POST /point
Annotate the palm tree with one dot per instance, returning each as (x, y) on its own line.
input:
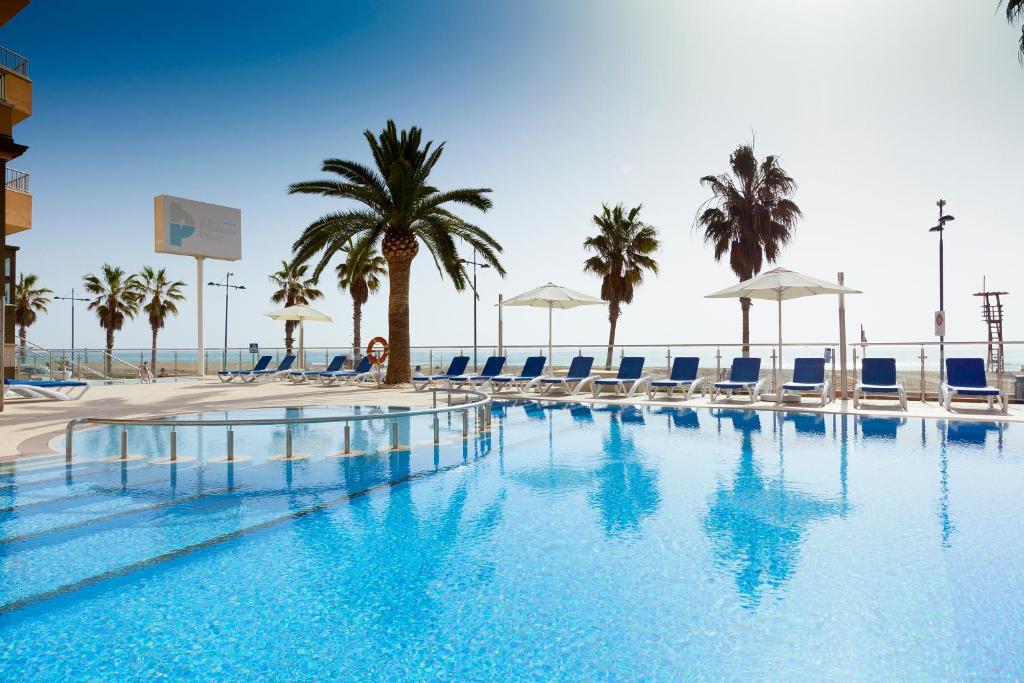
(1015, 13)
(360, 273)
(622, 251)
(116, 297)
(749, 216)
(29, 302)
(294, 288)
(400, 209)
(163, 297)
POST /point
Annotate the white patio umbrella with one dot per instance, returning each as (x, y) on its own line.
(778, 285)
(552, 296)
(301, 313)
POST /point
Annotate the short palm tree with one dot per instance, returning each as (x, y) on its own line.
(399, 210)
(161, 298)
(294, 288)
(360, 274)
(116, 297)
(749, 217)
(1015, 13)
(622, 252)
(29, 301)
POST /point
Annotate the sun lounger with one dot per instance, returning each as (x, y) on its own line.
(743, 376)
(455, 369)
(282, 369)
(492, 368)
(683, 376)
(966, 377)
(229, 375)
(808, 375)
(303, 376)
(878, 376)
(339, 376)
(629, 379)
(52, 390)
(577, 379)
(527, 378)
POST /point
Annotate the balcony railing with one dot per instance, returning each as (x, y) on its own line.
(12, 61)
(17, 180)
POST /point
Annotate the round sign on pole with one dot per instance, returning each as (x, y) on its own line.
(940, 323)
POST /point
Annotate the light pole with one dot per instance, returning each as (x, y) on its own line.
(227, 290)
(72, 299)
(476, 297)
(940, 228)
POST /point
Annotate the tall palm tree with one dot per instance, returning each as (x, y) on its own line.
(29, 302)
(360, 273)
(749, 217)
(162, 297)
(294, 288)
(117, 297)
(622, 251)
(399, 210)
(1015, 13)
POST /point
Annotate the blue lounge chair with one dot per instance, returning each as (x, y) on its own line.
(878, 376)
(629, 379)
(229, 375)
(302, 376)
(808, 375)
(253, 376)
(577, 379)
(527, 378)
(743, 376)
(966, 377)
(363, 370)
(683, 376)
(492, 368)
(53, 390)
(455, 369)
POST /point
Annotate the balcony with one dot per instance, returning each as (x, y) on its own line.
(19, 202)
(15, 85)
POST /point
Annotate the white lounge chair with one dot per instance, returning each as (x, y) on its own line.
(53, 390)
(528, 378)
(743, 376)
(577, 379)
(878, 376)
(627, 381)
(683, 376)
(966, 377)
(808, 375)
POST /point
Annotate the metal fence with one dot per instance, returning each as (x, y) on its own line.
(16, 180)
(11, 60)
(917, 362)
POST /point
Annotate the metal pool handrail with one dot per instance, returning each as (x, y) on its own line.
(482, 400)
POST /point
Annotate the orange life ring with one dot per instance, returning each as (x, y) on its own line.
(378, 356)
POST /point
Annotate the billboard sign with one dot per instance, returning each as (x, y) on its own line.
(192, 228)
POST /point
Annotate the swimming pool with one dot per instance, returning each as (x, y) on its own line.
(570, 542)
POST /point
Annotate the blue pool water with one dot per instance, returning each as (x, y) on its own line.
(568, 543)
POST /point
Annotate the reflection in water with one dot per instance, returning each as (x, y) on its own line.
(807, 423)
(627, 490)
(756, 524)
(973, 433)
(879, 427)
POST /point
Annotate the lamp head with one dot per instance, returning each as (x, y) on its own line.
(462, 260)
(485, 265)
(212, 284)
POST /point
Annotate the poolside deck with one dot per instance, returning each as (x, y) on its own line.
(27, 426)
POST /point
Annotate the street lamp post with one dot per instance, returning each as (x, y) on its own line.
(940, 228)
(476, 297)
(227, 290)
(72, 299)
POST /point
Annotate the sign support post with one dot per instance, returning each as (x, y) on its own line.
(200, 349)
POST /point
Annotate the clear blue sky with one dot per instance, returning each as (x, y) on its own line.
(876, 107)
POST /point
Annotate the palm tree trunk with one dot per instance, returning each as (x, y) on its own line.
(613, 319)
(357, 322)
(152, 355)
(110, 351)
(289, 327)
(745, 306)
(398, 320)
(23, 340)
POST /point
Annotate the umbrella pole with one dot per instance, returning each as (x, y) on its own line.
(302, 344)
(550, 357)
(778, 371)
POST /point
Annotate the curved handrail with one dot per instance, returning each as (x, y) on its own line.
(482, 399)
